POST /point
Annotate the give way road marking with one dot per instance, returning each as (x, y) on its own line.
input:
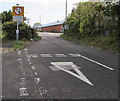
(79, 74)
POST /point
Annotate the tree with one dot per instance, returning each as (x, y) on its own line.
(83, 21)
(26, 32)
(6, 16)
(36, 25)
(112, 11)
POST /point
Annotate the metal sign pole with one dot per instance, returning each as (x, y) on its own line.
(17, 32)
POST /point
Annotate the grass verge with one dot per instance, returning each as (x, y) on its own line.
(104, 42)
(19, 44)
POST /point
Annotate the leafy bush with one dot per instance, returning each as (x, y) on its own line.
(25, 31)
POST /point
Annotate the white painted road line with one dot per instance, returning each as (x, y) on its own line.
(29, 59)
(22, 79)
(46, 55)
(37, 80)
(19, 52)
(78, 55)
(33, 55)
(32, 67)
(36, 74)
(26, 49)
(80, 75)
(19, 59)
(60, 55)
(74, 55)
(96, 62)
(61, 63)
(54, 68)
(23, 91)
(42, 91)
(67, 67)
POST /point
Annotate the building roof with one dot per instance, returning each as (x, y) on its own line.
(53, 24)
(103, 1)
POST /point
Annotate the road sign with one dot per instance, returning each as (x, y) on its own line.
(19, 23)
(18, 18)
(18, 10)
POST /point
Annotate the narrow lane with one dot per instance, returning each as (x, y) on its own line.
(53, 68)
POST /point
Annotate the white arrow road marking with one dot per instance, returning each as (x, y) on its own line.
(68, 67)
(78, 55)
(80, 75)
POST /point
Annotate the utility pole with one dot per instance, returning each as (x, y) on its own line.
(99, 18)
(66, 11)
(40, 19)
(40, 23)
(65, 26)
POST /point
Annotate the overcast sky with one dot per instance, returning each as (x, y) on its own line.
(49, 10)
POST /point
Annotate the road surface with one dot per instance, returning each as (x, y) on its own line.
(53, 68)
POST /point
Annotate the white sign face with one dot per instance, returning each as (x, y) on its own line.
(18, 10)
(64, 66)
(18, 18)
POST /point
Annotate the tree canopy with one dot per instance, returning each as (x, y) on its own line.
(6, 16)
(93, 18)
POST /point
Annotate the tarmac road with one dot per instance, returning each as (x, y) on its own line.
(53, 68)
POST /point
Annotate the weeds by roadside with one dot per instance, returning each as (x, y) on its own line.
(19, 44)
(104, 42)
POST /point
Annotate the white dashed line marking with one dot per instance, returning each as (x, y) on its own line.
(26, 49)
(78, 55)
(32, 67)
(30, 63)
(33, 55)
(19, 59)
(19, 52)
(22, 79)
(74, 55)
(42, 91)
(21, 62)
(23, 91)
(37, 80)
(60, 55)
(35, 73)
(46, 55)
(23, 73)
(21, 67)
(29, 59)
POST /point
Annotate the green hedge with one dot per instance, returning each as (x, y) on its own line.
(25, 31)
